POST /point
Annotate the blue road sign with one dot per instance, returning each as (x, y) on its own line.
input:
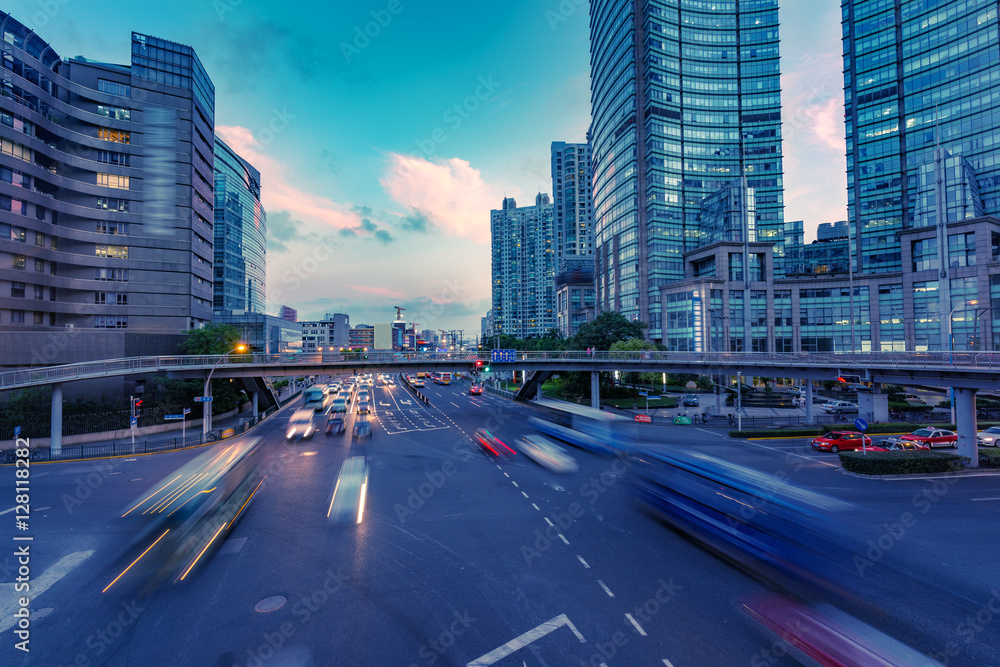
(643, 392)
(187, 411)
(202, 399)
(17, 431)
(173, 416)
(133, 423)
(503, 356)
(861, 424)
(653, 398)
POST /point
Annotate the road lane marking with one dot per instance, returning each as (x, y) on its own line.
(505, 474)
(455, 404)
(549, 521)
(636, 624)
(975, 500)
(8, 511)
(565, 541)
(513, 482)
(608, 591)
(62, 567)
(516, 644)
(711, 433)
(583, 561)
(524, 494)
(535, 506)
(787, 453)
(667, 663)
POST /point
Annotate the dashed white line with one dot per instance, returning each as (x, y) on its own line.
(549, 521)
(975, 500)
(513, 482)
(667, 663)
(636, 624)
(505, 474)
(524, 494)
(565, 541)
(455, 405)
(536, 507)
(608, 591)
(580, 558)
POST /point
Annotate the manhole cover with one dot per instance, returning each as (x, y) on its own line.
(273, 603)
(137, 479)
(39, 614)
(43, 508)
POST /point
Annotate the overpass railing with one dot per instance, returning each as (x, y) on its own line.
(848, 361)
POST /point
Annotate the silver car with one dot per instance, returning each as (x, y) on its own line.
(990, 437)
(840, 408)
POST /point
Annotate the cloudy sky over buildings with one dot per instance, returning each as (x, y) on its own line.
(382, 154)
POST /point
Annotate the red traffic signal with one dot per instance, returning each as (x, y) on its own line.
(479, 364)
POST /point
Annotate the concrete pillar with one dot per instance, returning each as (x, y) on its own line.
(253, 399)
(538, 391)
(965, 413)
(56, 421)
(809, 403)
(595, 390)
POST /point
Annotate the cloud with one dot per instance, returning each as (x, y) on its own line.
(378, 291)
(416, 222)
(281, 229)
(448, 193)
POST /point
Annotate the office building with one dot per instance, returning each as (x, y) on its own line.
(829, 231)
(361, 337)
(288, 313)
(240, 234)
(685, 102)
(106, 200)
(523, 265)
(330, 333)
(264, 333)
(573, 211)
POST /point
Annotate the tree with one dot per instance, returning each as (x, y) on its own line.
(212, 339)
(605, 330)
(632, 345)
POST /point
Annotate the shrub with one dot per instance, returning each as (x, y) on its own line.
(901, 463)
(989, 457)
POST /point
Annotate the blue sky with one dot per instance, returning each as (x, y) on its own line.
(382, 153)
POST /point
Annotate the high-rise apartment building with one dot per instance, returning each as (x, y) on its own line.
(240, 235)
(572, 203)
(523, 268)
(685, 100)
(106, 195)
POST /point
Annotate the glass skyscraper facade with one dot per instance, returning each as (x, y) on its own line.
(686, 100)
(240, 234)
(919, 75)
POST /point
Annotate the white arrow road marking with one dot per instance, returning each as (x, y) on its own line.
(37, 586)
(528, 637)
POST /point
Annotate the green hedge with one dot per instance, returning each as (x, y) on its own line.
(910, 408)
(901, 463)
(989, 457)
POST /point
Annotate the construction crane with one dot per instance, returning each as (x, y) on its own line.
(399, 313)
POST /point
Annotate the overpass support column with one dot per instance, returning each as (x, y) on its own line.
(809, 402)
(253, 399)
(538, 390)
(55, 444)
(965, 413)
(595, 390)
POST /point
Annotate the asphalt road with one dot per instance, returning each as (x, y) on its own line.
(458, 555)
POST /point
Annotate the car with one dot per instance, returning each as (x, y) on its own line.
(389, 382)
(339, 405)
(691, 400)
(335, 426)
(362, 428)
(796, 390)
(491, 444)
(546, 453)
(933, 437)
(418, 383)
(364, 407)
(364, 395)
(990, 437)
(840, 408)
(897, 445)
(475, 390)
(835, 441)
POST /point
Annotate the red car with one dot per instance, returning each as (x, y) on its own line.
(933, 437)
(492, 444)
(895, 444)
(838, 440)
(475, 390)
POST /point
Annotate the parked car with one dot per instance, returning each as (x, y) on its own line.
(933, 437)
(835, 441)
(840, 408)
(897, 445)
(990, 437)
(690, 400)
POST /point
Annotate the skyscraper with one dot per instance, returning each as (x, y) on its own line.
(105, 198)
(523, 268)
(572, 202)
(240, 234)
(686, 99)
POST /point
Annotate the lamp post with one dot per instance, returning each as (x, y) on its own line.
(739, 400)
(951, 349)
(206, 406)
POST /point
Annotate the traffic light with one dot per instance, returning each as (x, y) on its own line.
(487, 369)
(136, 407)
(479, 363)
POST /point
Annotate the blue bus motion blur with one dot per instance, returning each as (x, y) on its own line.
(594, 430)
(316, 398)
(187, 514)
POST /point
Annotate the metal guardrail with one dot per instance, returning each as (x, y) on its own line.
(967, 361)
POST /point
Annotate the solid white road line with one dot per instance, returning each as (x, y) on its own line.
(636, 624)
(580, 558)
(606, 589)
(40, 584)
(516, 644)
(787, 453)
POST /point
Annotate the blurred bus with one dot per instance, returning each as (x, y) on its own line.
(595, 430)
(442, 378)
(316, 399)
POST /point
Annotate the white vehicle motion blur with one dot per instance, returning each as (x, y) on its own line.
(546, 453)
(301, 424)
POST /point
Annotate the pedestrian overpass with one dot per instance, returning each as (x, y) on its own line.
(966, 372)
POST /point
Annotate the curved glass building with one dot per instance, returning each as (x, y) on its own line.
(106, 194)
(240, 234)
(686, 100)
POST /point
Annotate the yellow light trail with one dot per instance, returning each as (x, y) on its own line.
(202, 552)
(135, 561)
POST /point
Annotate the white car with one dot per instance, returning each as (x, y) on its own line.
(546, 453)
(990, 437)
(840, 408)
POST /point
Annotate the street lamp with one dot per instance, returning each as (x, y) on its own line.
(206, 406)
(739, 400)
(951, 349)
